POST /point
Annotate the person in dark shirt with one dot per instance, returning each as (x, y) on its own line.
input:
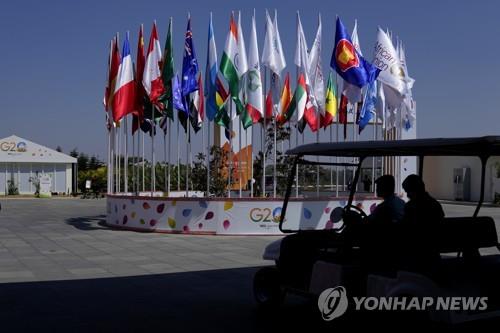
(391, 209)
(421, 209)
(422, 216)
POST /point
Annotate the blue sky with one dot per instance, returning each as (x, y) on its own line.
(54, 53)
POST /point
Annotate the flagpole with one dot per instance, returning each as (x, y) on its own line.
(153, 171)
(296, 139)
(119, 146)
(317, 157)
(208, 157)
(169, 154)
(230, 146)
(178, 160)
(125, 129)
(239, 158)
(133, 163)
(373, 158)
(251, 166)
(337, 137)
(275, 159)
(264, 139)
(143, 164)
(188, 152)
(165, 179)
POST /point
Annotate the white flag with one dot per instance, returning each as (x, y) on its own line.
(317, 95)
(272, 54)
(391, 72)
(254, 84)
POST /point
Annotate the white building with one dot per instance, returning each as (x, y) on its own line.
(20, 160)
(440, 176)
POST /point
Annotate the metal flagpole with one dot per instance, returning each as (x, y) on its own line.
(119, 146)
(133, 162)
(169, 154)
(239, 159)
(275, 153)
(108, 165)
(208, 157)
(264, 139)
(317, 158)
(153, 173)
(251, 166)
(373, 158)
(165, 178)
(188, 152)
(331, 159)
(125, 162)
(296, 140)
(143, 164)
(178, 160)
(230, 146)
(337, 137)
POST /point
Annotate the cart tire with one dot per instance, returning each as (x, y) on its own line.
(267, 288)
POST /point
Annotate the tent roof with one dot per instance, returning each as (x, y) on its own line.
(486, 145)
(14, 149)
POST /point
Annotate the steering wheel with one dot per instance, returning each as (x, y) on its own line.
(358, 210)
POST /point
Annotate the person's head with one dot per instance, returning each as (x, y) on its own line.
(385, 186)
(413, 185)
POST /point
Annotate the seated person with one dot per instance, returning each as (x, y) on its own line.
(420, 251)
(391, 209)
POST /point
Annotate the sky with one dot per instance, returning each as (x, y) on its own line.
(54, 58)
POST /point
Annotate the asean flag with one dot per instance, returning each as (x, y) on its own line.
(348, 63)
(124, 97)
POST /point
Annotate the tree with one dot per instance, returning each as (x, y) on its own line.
(59, 149)
(83, 162)
(73, 153)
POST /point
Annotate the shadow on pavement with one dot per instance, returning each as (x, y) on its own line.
(200, 301)
(88, 223)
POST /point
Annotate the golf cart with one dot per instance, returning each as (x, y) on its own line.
(373, 261)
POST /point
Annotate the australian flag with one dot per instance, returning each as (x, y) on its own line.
(348, 63)
(189, 81)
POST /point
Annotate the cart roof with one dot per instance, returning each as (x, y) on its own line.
(475, 146)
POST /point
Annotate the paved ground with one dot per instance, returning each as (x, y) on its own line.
(62, 269)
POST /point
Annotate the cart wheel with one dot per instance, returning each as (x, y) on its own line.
(267, 289)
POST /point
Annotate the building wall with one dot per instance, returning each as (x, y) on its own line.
(22, 172)
(438, 176)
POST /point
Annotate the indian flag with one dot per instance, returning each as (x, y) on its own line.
(231, 62)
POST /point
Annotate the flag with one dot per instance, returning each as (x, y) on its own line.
(408, 107)
(114, 65)
(351, 91)
(189, 75)
(301, 58)
(197, 107)
(310, 116)
(284, 103)
(380, 104)
(140, 95)
(231, 64)
(343, 113)
(391, 71)
(246, 119)
(211, 74)
(272, 53)
(317, 92)
(369, 105)
(167, 75)
(254, 104)
(124, 98)
(299, 101)
(348, 63)
(222, 95)
(152, 79)
(330, 103)
(269, 105)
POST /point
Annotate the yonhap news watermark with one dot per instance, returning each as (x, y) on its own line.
(333, 303)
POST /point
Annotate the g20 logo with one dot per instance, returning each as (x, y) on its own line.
(265, 215)
(12, 146)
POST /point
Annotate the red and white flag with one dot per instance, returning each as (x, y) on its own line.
(152, 80)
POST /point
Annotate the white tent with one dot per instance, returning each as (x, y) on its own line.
(21, 160)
